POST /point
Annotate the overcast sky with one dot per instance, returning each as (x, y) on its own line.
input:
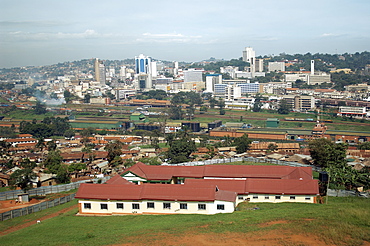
(43, 32)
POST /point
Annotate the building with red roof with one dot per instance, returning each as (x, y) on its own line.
(208, 189)
(119, 197)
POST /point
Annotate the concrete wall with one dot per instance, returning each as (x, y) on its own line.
(192, 207)
(272, 198)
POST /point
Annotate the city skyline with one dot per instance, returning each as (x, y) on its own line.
(34, 33)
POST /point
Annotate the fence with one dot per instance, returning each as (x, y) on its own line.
(347, 193)
(35, 208)
(44, 190)
(248, 159)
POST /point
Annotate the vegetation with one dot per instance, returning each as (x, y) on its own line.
(332, 157)
(49, 126)
(343, 221)
(181, 147)
(22, 178)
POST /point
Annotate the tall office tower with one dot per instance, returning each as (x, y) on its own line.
(249, 55)
(259, 65)
(153, 69)
(122, 72)
(99, 68)
(176, 68)
(312, 67)
(211, 80)
(142, 64)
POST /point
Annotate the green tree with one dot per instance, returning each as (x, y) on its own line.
(22, 178)
(114, 150)
(176, 113)
(53, 161)
(68, 96)
(27, 164)
(332, 158)
(221, 106)
(242, 144)
(272, 147)
(151, 160)
(63, 174)
(257, 106)
(87, 98)
(364, 146)
(40, 108)
(181, 147)
(284, 107)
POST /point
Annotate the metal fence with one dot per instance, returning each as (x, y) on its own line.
(347, 193)
(247, 159)
(44, 190)
(35, 208)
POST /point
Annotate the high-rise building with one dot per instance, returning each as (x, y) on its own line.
(259, 65)
(249, 55)
(142, 64)
(99, 68)
(211, 80)
(312, 67)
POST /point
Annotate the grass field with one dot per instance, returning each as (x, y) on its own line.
(344, 221)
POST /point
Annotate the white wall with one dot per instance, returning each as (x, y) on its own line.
(192, 207)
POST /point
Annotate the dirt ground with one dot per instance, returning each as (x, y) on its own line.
(10, 204)
(268, 238)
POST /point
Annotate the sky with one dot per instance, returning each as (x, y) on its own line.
(45, 32)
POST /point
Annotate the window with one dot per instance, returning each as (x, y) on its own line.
(150, 205)
(277, 197)
(87, 205)
(135, 206)
(240, 198)
(183, 206)
(119, 205)
(308, 198)
(220, 207)
(292, 197)
(103, 206)
(267, 197)
(201, 206)
(255, 197)
(166, 205)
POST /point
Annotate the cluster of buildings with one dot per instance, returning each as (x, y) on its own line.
(99, 82)
(143, 189)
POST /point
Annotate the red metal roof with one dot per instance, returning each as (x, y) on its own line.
(118, 180)
(166, 192)
(283, 186)
(261, 186)
(220, 171)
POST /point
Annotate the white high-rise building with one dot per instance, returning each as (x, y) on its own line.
(122, 72)
(211, 81)
(312, 67)
(249, 55)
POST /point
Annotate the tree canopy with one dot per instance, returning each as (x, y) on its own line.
(332, 158)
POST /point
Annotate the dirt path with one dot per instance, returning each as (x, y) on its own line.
(27, 224)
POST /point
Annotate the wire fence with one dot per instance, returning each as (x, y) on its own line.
(347, 193)
(44, 190)
(35, 208)
(246, 159)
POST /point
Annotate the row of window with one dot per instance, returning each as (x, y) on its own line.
(166, 205)
(276, 197)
